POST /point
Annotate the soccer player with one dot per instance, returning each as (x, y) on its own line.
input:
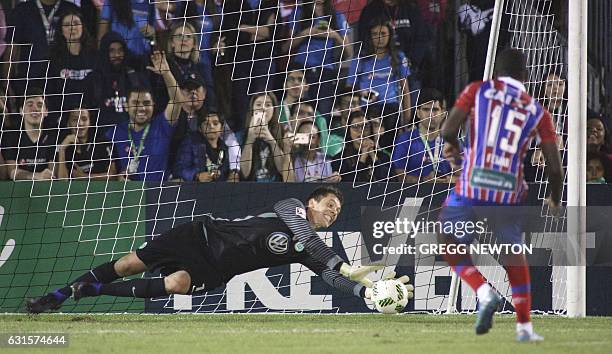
(501, 119)
(205, 254)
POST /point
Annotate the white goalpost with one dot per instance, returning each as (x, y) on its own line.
(569, 282)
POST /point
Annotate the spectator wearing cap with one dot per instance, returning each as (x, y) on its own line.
(203, 155)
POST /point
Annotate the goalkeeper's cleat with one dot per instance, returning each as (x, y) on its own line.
(486, 310)
(525, 336)
(42, 304)
(83, 289)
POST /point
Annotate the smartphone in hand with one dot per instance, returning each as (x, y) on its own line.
(258, 118)
(301, 139)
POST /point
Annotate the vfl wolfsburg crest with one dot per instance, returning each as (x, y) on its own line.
(278, 242)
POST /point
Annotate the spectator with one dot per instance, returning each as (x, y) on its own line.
(362, 160)
(35, 23)
(203, 156)
(351, 9)
(134, 20)
(417, 156)
(309, 163)
(143, 143)
(294, 103)
(244, 56)
(411, 33)
(598, 168)
(598, 137)
(552, 97)
(72, 60)
(192, 106)
(380, 74)
(319, 38)
(263, 158)
(203, 17)
(184, 59)
(30, 151)
(347, 101)
(295, 90)
(115, 74)
(84, 153)
(475, 18)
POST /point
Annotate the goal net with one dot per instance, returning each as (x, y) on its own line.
(314, 71)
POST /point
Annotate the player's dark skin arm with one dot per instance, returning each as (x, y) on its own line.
(451, 126)
(450, 130)
(554, 170)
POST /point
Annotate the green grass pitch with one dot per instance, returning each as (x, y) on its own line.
(375, 333)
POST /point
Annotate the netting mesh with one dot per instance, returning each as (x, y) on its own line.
(88, 221)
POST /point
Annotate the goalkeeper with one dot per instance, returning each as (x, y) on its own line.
(206, 254)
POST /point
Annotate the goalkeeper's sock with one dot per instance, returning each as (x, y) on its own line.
(463, 266)
(142, 288)
(521, 291)
(104, 273)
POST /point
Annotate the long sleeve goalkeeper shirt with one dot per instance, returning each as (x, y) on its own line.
(270, 238)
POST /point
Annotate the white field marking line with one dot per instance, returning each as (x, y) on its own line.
(214, 331)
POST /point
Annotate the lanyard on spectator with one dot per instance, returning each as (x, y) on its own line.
(46, 20)
(432, 156)
(210, 165)
(136, 153)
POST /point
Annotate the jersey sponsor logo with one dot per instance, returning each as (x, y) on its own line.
(278, 243)
(298, 246)
(301, 212)
(491, 179)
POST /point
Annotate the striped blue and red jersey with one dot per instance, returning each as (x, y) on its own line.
(503, 119)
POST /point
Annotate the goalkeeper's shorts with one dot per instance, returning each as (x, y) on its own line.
(181, 248)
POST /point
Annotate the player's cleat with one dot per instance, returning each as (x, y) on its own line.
(83, 289)
(525, 336)
(42, 304)
(486, 310)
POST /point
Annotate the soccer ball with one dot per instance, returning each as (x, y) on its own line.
(389, 296)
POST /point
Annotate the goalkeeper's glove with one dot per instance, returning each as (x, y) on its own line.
(404, 279)
(360, 273)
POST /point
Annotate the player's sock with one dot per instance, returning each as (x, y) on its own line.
(142, 288)
(527, 327)
(104, 273)
(483, 292)
(463, 266)
(521, 289)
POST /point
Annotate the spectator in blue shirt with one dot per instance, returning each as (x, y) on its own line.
(417, 155)
(142, 144)
(134, 20)
(380, 74)
(319, 37)
(204, 156)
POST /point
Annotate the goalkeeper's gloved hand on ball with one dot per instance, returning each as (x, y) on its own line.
(404, 279)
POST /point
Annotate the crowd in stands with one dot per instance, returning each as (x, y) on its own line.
(248, 90)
